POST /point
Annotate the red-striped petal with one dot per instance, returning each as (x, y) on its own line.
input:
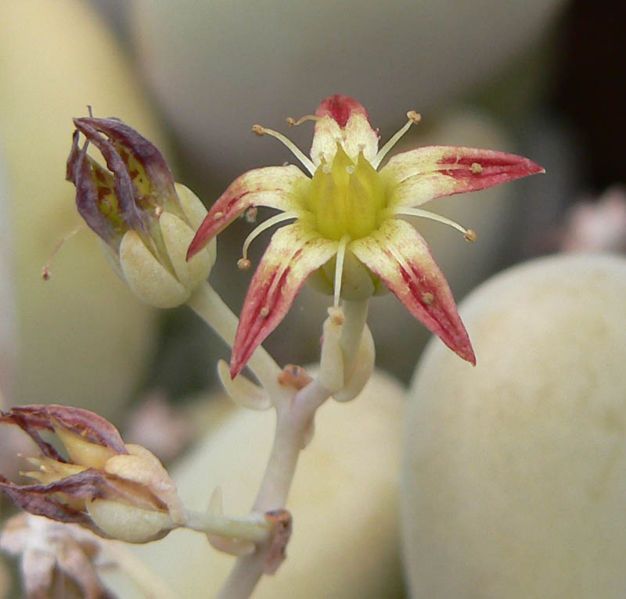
(421, 175)
(400, 257)
(293, 254)
(271, 187)
(344, 120)
(340, 108)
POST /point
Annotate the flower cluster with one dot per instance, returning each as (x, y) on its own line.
(347, 230)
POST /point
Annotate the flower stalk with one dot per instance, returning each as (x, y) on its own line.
(293, 422)
(254, 527)
(211, 308)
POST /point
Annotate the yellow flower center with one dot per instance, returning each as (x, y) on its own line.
(345, 198)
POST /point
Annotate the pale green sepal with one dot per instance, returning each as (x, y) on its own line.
(147, 277)
(177, 236)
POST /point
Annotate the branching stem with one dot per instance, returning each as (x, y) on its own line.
(294, 417)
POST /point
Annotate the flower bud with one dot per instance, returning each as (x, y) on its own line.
(145, 219)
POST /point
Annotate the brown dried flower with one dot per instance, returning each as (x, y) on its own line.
(115, 489)
(54, 557)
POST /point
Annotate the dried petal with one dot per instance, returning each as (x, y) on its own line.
(49, 550)
(47, 500)
(128, 209)
(83, 423)
(96, 198)
(147, 168)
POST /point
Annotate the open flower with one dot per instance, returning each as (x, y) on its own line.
(115, 489)
(347, 227)
(145, 219)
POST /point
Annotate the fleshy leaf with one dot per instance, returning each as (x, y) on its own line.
(294, 252)
(400, 257)
(342, 119)
(272, 187)
(421, 175)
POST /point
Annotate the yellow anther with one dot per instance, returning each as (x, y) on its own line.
(470, 235)
(414, 117)
(45, 270)
(336, 315)
(428, 298)
(264, 312)
(243, 264)
(219, 214)
(476, 168)
(250, 214)
(306, 162)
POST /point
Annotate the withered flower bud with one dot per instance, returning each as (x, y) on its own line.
(117, 490)
(55, 558)
(145, 219)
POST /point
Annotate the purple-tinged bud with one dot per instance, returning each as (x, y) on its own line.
(144, 217)
(116, 490)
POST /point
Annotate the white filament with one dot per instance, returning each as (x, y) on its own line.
(270, 222)
(297, 152)
(341, 254)
(413, 119)
(432, 216)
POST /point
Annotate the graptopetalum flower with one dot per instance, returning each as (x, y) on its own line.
(145, 219)
(116, 490)
(347, 220)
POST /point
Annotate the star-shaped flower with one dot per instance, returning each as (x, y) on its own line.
(347, 225)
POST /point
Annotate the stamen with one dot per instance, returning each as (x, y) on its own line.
(45, 271)
(414, 118)
(303, 119)
(469, 234)
(250, 214)
(341, 254)
(278, 218)
(243, 264)
(306, 162)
